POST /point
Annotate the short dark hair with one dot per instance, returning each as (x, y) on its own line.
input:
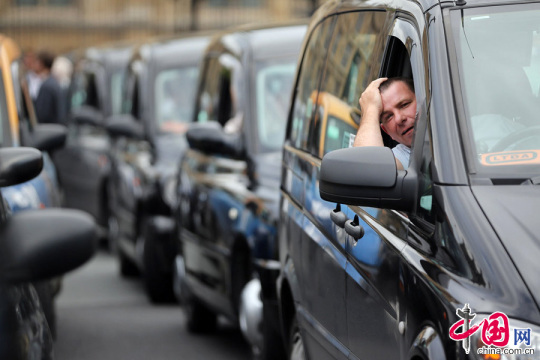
(407, 81)
(46, 58)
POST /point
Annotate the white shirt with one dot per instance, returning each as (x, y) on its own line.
(403, 154)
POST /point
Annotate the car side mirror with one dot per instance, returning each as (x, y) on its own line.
(210, 138)
(367, 176)
(19, 164)
(45, 137)
(87, 115)
(124, 125)
(41, 244)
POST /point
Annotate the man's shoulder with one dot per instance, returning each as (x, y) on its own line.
(51, 83)
(49, 87)
(402, 148)
(402, 153)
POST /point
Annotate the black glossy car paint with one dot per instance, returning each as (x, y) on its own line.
(145, 160)
(393, 293)
(84, 164)
(228, 198)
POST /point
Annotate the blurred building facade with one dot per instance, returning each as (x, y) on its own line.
(63, 25)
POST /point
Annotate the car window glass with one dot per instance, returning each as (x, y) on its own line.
(425, 192)
(351, 61)
(403, 59)
(77, 93)
(208, 94)
(313, 63)
(135, 99)
(130, 98)
(173, 97)
(273, 84)
(429, 230)
(497, 57)
(117, 79)
(533, 68)
(16, 83)
(230, 94)
(22, 97)
(87, 94)
(220, 95)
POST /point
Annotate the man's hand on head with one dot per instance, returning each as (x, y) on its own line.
(369, 131)
(370, 101)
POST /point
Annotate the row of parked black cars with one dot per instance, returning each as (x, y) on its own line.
(39, 242)
(221, 168)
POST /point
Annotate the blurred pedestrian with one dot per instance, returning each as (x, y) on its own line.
(32, 78)
(62, 69)
(48, 103)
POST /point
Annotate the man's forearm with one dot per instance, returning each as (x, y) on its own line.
(369, 131)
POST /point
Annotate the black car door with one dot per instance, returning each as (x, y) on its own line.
(315, 245)
(376, 320)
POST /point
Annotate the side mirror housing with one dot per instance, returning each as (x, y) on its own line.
(87, 115)
(19, 164)
(210, 138)
(124, 125)
(46, 137)
(41, 244)
(367, 176)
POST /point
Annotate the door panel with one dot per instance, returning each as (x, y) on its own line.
(373, 284)
(323, 269)
(212, 186)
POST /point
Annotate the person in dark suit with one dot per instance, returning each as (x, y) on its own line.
(48, 103)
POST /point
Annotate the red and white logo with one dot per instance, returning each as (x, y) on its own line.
(497, 337)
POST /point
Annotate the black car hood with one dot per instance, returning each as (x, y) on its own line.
(513, 211)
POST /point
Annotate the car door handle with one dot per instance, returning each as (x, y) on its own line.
(353, 228)
(338, 217)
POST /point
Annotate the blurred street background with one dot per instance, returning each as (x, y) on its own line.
(62, 26)
(106, 317)
(100, 314)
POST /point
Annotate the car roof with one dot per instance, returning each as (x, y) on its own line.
(111, 54)
(174, 49)
(261, 40)
(333, 6)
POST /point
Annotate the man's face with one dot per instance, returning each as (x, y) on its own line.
(399, 112)
(38, 66)
(30, 61)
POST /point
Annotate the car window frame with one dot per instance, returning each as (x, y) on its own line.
(302, 139)
(405, 30)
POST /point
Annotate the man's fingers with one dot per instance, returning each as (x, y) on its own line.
(379, 81)
(370, 92)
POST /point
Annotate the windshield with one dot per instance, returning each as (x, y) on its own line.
(498, 53)
(273, 92)
(175, 98)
